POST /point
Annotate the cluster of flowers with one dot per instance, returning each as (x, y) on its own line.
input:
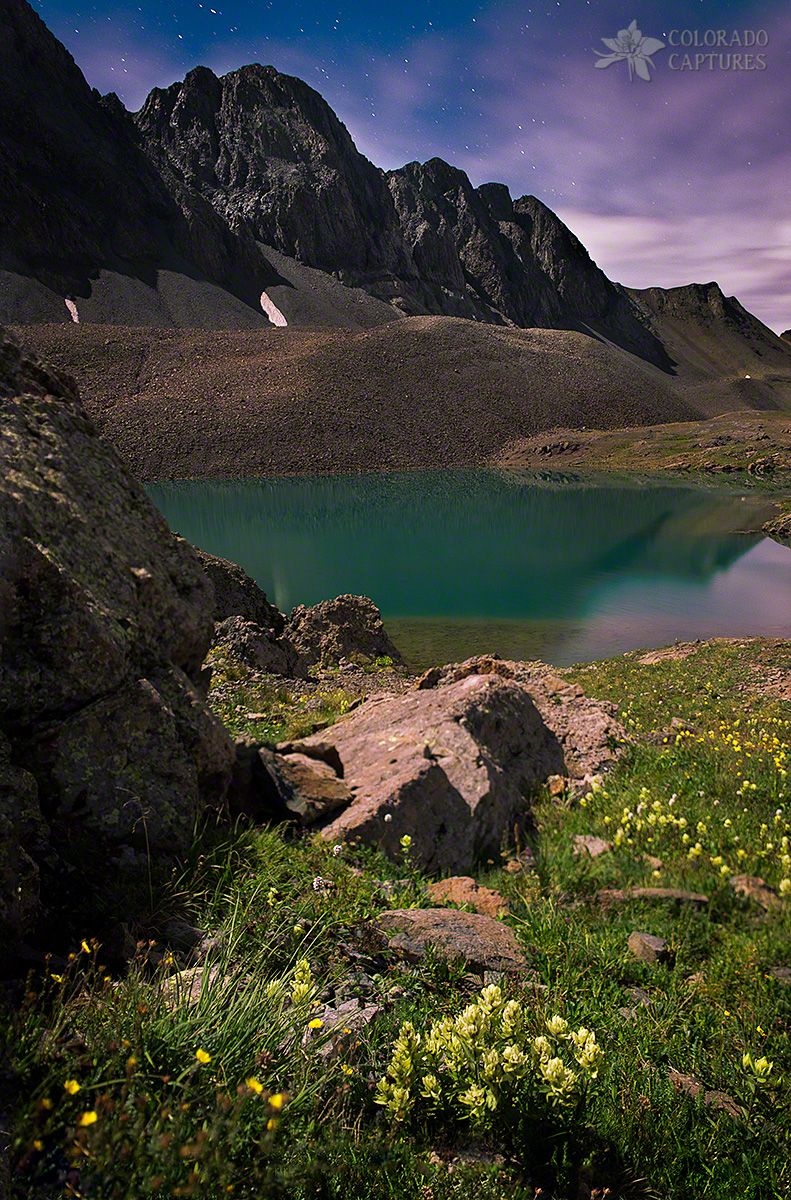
(484, 1057)
(657, 826)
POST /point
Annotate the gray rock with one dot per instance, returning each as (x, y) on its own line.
(757, 889)
(335, 629)
(712, 1099)
(451, 767)
(237, 595)
(587, 843)
(342, 1025)
(309, 788)
(259, 647)
(104, 618)
(624, 895)
(484, 943)
(186, 987)
(648, 948)
(20, 825)
(137, 766)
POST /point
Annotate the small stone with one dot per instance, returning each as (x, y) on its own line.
(557, 785)
(713, 1099)
(186, 987)
(648, 948)
(757, 889)
(623, 895)
(654, 863)
(462, 889)
(589, 844)
(342, 1026)
(782, 974)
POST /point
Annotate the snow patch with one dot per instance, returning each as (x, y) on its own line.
(274, 313)
(72, 307)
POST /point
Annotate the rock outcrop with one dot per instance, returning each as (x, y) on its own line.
(108, 754)
(346, 627)
(237, 595)
(259, 648)
(451, 763)
(586, 729)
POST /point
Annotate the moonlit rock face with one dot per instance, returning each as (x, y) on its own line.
(272, 311)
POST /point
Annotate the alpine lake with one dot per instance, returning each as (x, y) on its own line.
(563, 568)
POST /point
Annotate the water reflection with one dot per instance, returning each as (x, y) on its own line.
(562, 568)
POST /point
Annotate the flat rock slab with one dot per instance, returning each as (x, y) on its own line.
(462, 889)
(186, 987)
(712, 1099)
(342, 1026)
(623, 895)
(452, 767)
(485, 944)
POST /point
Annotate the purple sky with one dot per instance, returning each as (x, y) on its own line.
(683, 178)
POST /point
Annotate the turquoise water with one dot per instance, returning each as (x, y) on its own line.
(566, 569)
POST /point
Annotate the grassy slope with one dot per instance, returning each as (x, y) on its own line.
(173, 1125)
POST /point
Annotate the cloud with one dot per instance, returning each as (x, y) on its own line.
(751, 261)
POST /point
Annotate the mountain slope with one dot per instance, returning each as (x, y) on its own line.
(511, 262)
(721, 353)
(421, 392)
(225, 195)
(82, 203)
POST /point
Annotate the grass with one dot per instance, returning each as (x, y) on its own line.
(264, 708)
(271, 1113)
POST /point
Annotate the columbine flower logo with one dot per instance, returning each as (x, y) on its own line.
(631, 47)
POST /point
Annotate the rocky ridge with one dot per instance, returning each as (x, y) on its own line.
(82, 201)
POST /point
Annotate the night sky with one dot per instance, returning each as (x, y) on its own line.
(683, 178)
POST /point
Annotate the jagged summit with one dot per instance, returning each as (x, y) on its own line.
(266, 150)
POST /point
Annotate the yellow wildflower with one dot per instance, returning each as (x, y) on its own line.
(88, 1118)
(202, 1056)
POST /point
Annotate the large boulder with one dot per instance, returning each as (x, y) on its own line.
(105, 620)
(453, 767)
(346, 627)
(588, 730)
